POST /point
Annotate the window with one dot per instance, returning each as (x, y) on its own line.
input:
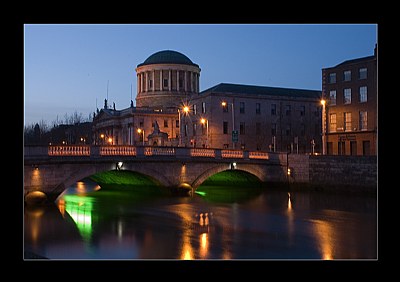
(362, 73)
(347, 95)
(273, 129)
(302, 129)
(165, 82)
(203, 107)
(180, 83)
(194, 129)
(332, 123)
(363, 94)
(353, 148)
(225, 127)
(347, 121)
(194, 109)
(258, 108)
(288, 130)
(273, 109)
(302, 110)
(177, 123)
(347, 75)
(165, 123)
(242, 128)
(363, 120)
(332, 77)
(287, 110)
(241, 107)
(341, 148)
(258, 128)
(366, 147)
(150, 83)
(332, 97)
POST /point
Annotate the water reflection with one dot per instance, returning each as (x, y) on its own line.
(88, 223)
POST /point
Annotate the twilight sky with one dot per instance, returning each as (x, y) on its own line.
(67, 67)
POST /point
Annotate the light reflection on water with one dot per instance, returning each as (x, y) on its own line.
(88, 223)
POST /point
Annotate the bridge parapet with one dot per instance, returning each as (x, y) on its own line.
(83, 151)
(69, 150)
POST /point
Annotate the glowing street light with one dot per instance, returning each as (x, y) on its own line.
(224, 104)
(205, 122)
(141, 131)
(323, 103)
(186, 111)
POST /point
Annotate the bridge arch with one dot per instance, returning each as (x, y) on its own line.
(82, 171)
(254, 170)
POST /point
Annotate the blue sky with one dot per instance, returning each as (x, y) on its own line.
(67, 66)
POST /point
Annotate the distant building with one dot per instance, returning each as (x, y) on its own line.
(171, 111)
(350, 92)
(264, 118)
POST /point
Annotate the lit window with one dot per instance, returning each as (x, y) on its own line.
(332, 123)
(347, 121)
(363, 120)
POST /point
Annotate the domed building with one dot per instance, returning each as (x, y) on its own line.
(165, 80)
(171, 111)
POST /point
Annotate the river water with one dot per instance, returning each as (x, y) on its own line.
(88, 223)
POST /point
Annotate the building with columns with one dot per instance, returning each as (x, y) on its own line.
(231, 116)
(165, 80)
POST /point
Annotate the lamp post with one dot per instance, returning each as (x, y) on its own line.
(323, 102)
(205, 121)
(225, 104)
(185, 110)
(106, 138)
(141, 131)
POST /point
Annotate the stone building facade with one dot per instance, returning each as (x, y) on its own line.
(350, 92)
(251, 118)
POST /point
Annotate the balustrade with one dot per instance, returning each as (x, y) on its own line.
(127, 150)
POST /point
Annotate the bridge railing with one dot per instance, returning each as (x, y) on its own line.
(69, 150)
(147, 151)
(116, 150)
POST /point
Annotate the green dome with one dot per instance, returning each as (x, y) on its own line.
(167, 57)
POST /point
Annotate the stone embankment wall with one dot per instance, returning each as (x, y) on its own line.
(333, 173)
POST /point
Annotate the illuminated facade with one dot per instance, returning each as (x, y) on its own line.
(229, 116)
(350, 92)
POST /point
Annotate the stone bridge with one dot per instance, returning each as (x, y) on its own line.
(51, 169)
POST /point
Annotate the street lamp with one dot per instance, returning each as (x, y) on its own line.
(205, 122)
(141, 131)
(323, 103)
(225, 104)
(186, 111)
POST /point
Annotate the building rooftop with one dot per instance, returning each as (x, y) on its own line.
(229, 88)
(167, 57)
